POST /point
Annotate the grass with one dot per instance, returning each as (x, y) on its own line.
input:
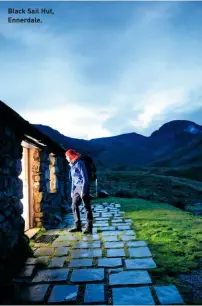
(173, 236)
(150, 186)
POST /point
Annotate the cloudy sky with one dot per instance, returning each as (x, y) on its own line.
(97, 69)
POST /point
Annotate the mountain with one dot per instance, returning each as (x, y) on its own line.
(176, 143)
(81, 145)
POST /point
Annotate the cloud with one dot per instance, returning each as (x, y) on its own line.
(104, 68)
(76, 121)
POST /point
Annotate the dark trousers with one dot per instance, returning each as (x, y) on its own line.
(76, 201)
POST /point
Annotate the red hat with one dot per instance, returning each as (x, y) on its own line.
(72, 154)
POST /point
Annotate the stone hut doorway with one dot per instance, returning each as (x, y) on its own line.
(27, 184)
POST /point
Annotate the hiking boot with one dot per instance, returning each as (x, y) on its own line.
(76, 228)
(88, 230)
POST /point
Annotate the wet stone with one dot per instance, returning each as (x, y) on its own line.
(27, 271)
(87, 275)
(114, 245)
(136, 244)
(44, 251)
(101, 225)
(109, 228)
(86, 253)
(128, 220)
(110, 238)
(132, 296)
(128, 233)
(91, 237)
(140, 263)
(43, 259)
(31, 261)
(79, 263)
(94, 293)
(57, 262)
(50, 275)
(117, 270)
(124, 227)
(61, 251)
(110, 262)
(140, 252)
(117, 220)
(130, 278)
(87, 245)
(33, 293)
(67, 238)
(116, 253)
(168, 295)
(127, 238)
(61, 243)
(63, 293)
(110, 233)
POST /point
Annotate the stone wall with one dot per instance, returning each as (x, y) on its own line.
(11, 221)
(50, 187)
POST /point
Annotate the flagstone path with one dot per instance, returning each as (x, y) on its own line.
(110, 267)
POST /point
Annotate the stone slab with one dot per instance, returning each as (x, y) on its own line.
(27, 271)
(117, 220)
(130, 278)
(116, 253)
(140, 263)
(111, 233)
(51, 275)
(31, 261)
(61, 243)
(139, 252)
(124, 227)
(129, 233)
(57, 262)
(101, 225)
(110, 238)
(80, 253)
(91, 237)
(109, 228)
(87, 275)
(136, 244)
(44, 251)
(168, 295)
(43, 259)
(63, 293)
(33, 294)
(67, 237)
(87, 245)
(114, 245)
(110, 262)
(132, 296)
(128, 238)
(61, 251)
(94, 293)
(79, 263)
(115, 270)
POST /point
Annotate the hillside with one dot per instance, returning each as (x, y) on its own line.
(176, 143)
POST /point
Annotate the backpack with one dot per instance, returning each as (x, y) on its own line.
(90, 167)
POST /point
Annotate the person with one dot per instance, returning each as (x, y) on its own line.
(79, 191)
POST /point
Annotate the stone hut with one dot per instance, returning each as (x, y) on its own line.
(33, 179)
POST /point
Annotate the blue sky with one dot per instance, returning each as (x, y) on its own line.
(95, 69)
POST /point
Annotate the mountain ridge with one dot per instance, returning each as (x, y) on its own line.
(133, 149)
